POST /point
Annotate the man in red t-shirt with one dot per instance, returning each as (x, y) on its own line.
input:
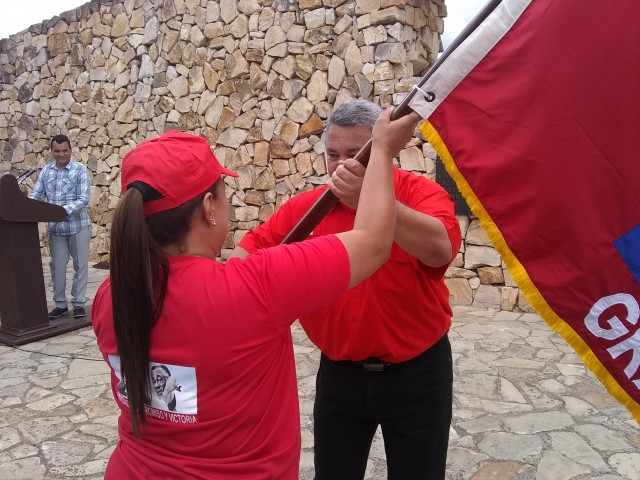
(386, 358)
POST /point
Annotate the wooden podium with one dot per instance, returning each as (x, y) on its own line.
(23, 303)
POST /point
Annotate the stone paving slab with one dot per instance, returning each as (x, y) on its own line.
(525, 407)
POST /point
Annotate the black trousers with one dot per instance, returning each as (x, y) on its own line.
(411, 401)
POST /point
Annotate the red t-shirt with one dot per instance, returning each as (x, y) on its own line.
(224, 395)
(398, 312)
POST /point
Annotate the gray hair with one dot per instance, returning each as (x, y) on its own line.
(354, 113)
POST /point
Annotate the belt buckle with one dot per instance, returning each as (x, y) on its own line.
(373, 365)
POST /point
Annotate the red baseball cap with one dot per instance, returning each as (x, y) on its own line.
(180, 166)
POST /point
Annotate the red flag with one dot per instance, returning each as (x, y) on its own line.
(537, 118)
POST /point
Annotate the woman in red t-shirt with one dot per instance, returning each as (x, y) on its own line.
(200, 352)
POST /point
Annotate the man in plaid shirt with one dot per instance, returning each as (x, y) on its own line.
(65, 182)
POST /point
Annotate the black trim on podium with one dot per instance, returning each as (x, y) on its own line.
(23, 302)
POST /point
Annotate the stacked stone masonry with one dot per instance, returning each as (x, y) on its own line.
(256, 78)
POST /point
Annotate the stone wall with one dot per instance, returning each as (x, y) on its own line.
(257, 78)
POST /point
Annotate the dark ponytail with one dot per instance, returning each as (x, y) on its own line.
(139, 271)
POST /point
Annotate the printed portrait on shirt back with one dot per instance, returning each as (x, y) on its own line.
(173, 388)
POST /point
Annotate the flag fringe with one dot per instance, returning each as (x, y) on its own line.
(521, 278)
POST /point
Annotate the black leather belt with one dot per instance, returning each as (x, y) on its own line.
(374, 364)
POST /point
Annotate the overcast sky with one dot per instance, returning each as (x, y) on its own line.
(16, 15)
(459, 14)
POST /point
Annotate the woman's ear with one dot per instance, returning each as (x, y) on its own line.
(208, 207)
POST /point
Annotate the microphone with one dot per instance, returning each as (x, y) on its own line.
(26, 174)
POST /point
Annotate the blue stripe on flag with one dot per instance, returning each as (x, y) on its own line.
(628, 246)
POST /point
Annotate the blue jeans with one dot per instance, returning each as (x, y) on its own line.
(411, 401)
(61, 248)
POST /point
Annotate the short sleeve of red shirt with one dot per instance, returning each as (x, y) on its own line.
(297, 278)
(426, 196)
